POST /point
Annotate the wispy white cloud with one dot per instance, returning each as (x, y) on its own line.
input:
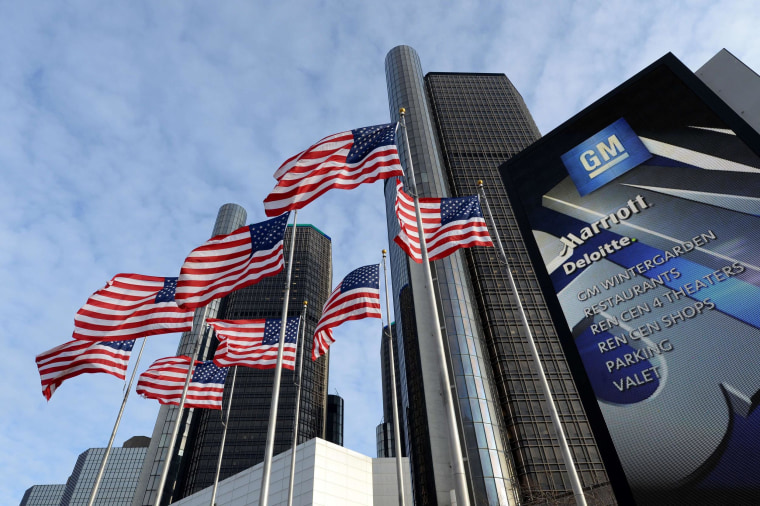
(125, 127)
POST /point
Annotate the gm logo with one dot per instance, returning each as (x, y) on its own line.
(605, 156)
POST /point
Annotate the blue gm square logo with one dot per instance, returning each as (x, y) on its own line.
(605, 156)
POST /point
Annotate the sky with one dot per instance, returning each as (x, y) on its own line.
(124, 126)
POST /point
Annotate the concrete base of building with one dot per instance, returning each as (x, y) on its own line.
(325, 474)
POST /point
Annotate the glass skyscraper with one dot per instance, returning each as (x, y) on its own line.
(461, 127)
(229, 218)
(197, 449)
(335, 419)
(488, 463)
(116, 487)
(249, 418)
(384, 433)
(43, 495)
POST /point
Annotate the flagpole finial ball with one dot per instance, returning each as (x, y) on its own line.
(306, 303)
(402, 111)
(480, 182)
(384, 252)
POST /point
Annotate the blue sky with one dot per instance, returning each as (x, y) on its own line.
(125, 126)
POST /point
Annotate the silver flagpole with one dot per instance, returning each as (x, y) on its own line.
(170, 448)
(115, 428)
(394, 400)
(224, 437)
(568, 456)
(457, 464)
(269, 450)
(301, 338)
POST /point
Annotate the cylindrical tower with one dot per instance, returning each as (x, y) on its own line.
(245, 441)
(334, 426)
(488, 465)
(229, 218)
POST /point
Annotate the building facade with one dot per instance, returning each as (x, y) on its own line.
(384, 440)
(117, 487)
(334, 425)
(325, 474)
(249, 416)
(384, 433)
(43, 495)
(229, 218)
(461, 127)
(489, 468)
(194, 460)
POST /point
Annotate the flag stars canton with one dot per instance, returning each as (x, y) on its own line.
(267, 234)
(370, 138)
(207, 372)
(120, 345)
(363, 277)
(272, 331)
(166, 294)
(460, 208)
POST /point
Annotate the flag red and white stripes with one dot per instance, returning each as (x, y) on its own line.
(343, 160)
(449, 224)
(356, 297)
(164, 381)
(255, 343)
(80, 357)
(132, 306)
(229, 262)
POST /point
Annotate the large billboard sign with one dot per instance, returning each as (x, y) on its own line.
(642, 216)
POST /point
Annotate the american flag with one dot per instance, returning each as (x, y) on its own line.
(164, 381)
(80, 357)
(356, 297)
(255, 343)
(344, 160)
(132, 306)
(226, 263)
(449, 224)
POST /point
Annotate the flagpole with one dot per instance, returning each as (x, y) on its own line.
(115, 429)
(568, 456)
(457, 464)
(175, 431)
(269, 450)
(224, 437)
(394, 400)
(298, 405)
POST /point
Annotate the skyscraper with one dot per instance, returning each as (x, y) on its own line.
(249, 416)
(43, 495)
(116, 487)
(229, 218)
(334, 425)
(384, 433)
(461, 127)
(197, 450)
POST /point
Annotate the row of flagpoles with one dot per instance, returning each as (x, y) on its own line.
(132, 306)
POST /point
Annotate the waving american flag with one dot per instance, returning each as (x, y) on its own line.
(448, 223)
(132, 306)
(228, 262)
(344, 160)
(356, 297)
(80, 357)
(164, 381)
(255, 343)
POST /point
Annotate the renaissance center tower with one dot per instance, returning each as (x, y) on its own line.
(195, 456)
(461, 128)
